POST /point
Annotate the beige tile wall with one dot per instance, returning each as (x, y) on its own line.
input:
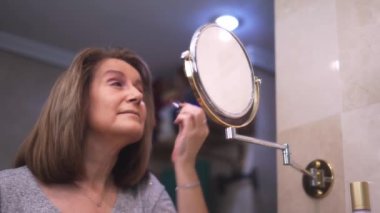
(361, 151)
(359, 42)
(312, 88)
(315, 140)
(328, 97)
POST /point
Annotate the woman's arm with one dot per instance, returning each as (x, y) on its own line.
(193, 131)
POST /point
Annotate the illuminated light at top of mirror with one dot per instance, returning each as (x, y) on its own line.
(227, 22)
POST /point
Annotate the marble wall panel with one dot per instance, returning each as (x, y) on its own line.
(307, 64)
(361, 150)
(317, 140)
(359, 51)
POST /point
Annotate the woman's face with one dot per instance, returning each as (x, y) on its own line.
(116, 106)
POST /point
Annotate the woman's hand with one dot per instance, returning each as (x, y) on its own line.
(193, 130)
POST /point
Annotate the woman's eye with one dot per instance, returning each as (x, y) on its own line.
(140, 90)
(116, 83)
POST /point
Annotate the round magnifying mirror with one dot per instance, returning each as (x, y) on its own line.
(221, 76)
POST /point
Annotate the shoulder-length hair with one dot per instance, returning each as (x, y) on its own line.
(54, 149)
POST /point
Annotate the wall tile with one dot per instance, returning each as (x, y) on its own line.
(359, 42)
(344, 109)
(318, 140)
(309, 84)
(361, 149)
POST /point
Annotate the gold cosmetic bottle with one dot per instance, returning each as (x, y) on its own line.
(360, 200)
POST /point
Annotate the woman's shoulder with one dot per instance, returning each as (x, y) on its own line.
(153, 184)
(149, 186)
(15, 180)
(19, 192)
(15, 177)
(149, 195)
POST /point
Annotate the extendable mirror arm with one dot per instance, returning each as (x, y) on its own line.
(317, 177)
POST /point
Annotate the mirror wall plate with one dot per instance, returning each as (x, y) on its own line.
(321, 180)
(221, 76)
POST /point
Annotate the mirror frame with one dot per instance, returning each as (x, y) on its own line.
(192, 74)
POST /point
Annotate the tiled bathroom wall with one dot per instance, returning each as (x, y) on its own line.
(328, 97)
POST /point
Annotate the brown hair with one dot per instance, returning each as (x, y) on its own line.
(54, 149)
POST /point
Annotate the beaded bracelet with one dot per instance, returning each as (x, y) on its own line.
(188, 186)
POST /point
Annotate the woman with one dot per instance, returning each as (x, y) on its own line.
(89, 150)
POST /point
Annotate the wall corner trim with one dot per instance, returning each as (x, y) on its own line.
(35, 50)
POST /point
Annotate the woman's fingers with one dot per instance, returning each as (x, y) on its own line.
(195, 113)
(193, 131)
(185, 119)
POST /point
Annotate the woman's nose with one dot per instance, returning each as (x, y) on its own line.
(134, 95)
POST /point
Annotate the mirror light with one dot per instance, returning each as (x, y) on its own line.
(227, 22)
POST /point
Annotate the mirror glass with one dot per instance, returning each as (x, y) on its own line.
(221, 75)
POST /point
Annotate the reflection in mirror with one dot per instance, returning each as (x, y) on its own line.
(224, 71)
(222, 76)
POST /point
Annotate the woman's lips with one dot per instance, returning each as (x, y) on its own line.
(129, 112)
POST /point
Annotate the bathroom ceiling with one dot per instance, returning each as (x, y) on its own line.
(159, 30)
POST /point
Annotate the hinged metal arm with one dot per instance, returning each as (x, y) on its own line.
(231, 134)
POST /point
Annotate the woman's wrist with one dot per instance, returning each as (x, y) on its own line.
(184, 162)
(186, 186)
(184, 167)
(185, 174)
